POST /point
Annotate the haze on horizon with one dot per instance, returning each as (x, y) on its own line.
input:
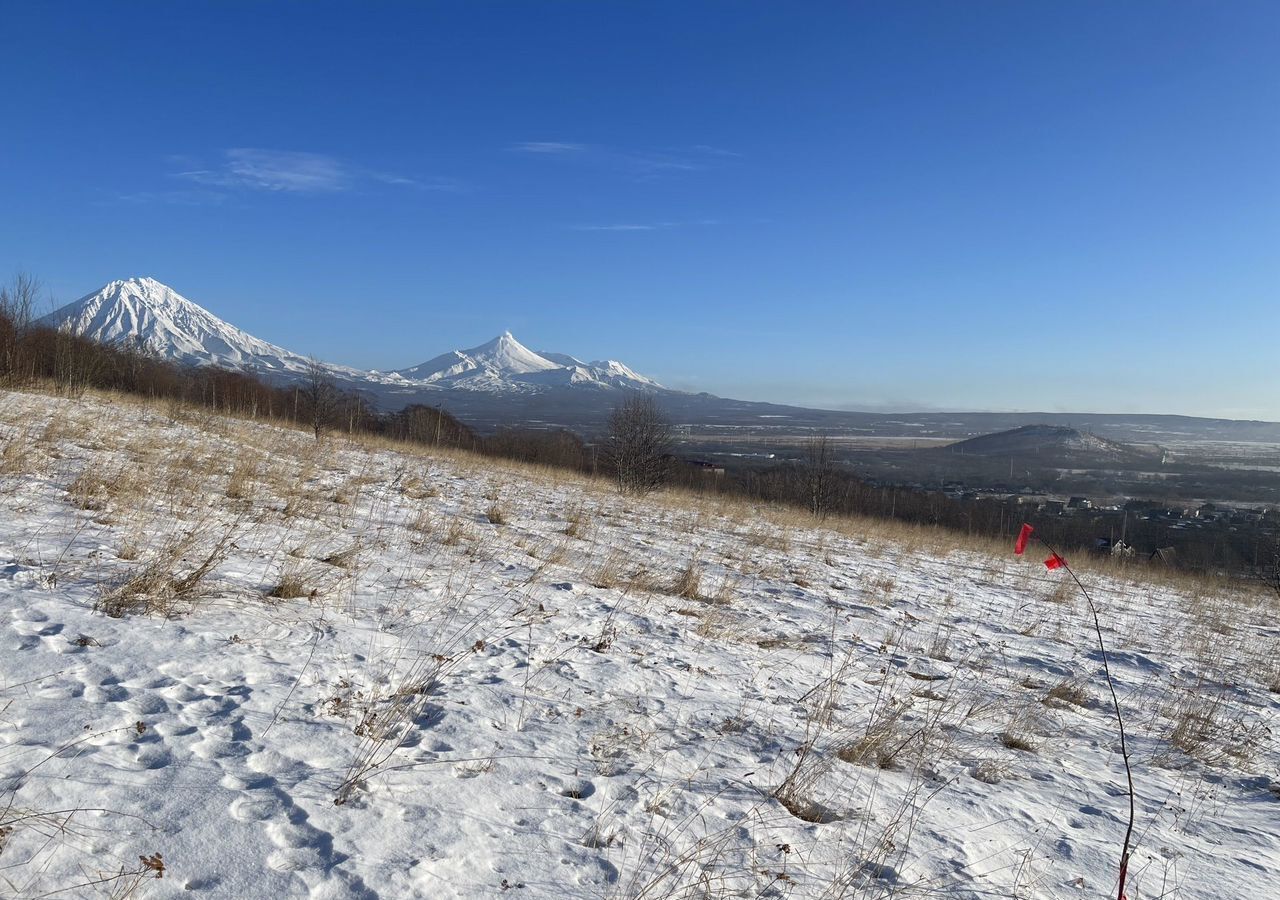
(1005, 206)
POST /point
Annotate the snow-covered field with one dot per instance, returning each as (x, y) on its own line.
(482, 680)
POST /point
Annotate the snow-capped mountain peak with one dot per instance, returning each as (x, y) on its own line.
(161, 321)
(158, 320)
(505, 364)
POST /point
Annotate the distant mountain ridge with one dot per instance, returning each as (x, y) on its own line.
(502, 382)
(157, 319)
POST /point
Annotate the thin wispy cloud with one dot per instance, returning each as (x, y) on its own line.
(621, 227)
(172, 198)
(297, 172)
(548, 147)
(639, 164)
(715, 151)
(646, 226)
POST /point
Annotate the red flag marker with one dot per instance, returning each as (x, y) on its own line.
(1023, 536)
(1054, 562)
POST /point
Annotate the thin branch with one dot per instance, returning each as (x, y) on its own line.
(1115, 702)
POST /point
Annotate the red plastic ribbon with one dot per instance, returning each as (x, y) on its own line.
(1023, 536)
(1054, 562)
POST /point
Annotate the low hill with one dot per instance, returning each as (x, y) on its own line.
(1049, 441)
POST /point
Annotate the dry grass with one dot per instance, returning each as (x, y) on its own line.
(240, 483)
(174, 575)
(456, 533)
(18, 456)
(293, 584)
(345, 558)
(1068, 692)
(688, 584)
(611, 571)
(884, 739)
(95, 490)
(496, 513)
(1201, 726)
(577, 521)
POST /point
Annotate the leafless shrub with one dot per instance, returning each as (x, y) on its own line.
(638, 444)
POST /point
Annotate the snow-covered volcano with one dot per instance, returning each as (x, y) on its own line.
(159, 320)
(501, 358)
(505, 364)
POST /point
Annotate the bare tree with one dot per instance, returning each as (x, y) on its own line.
(819, 476)
(320, 395)
(638, 444)
(17, 311)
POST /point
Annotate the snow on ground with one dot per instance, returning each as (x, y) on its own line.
(597, 697)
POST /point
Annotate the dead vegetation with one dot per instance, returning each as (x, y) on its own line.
(170, 580)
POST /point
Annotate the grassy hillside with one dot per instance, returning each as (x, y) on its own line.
(265, 666)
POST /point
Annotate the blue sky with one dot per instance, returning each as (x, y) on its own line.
(980, 205)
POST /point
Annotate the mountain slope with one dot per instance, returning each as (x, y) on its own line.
(161, 321)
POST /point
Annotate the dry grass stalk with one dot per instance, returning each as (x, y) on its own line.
(577, 521)
(1068, 692)
(344, 559)
(688, 583)
(495, 513)
(293, 584)
(609, 573)
(240, 483)
(157, 587)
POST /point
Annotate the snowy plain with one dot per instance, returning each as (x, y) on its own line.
(476, 679)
